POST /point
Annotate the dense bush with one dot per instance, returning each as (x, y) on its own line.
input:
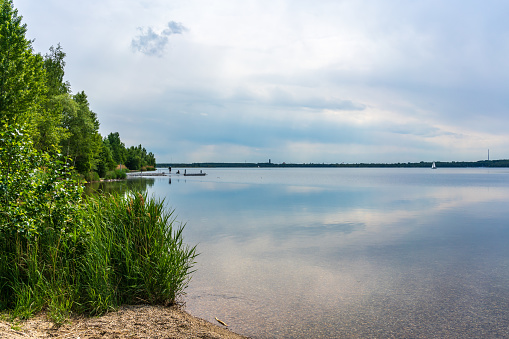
(92, 176)
(110, 175)
(40, 233)
(120, 174)
(116, 174)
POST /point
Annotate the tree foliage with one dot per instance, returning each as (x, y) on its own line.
(83, 143)
(105, 162)
(134, 158)
(22, 77)
(33, 186)
(49, 131)
(35, 97)
(137, 158)
(54, 64)
(117, 147)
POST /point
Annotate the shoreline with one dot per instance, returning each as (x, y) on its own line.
(133, 321)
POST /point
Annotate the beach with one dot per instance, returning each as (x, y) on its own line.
(135, 321)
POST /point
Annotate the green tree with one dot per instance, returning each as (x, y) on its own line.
(22, 76)
(54, 65)
(49, 127)
(134, 160)
(118, 149)
(105, 162)
(49, 130)
(150, 159)
(137, 157)
(83, 143)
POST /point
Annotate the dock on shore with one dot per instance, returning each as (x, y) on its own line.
(147, 174)
(164, 174)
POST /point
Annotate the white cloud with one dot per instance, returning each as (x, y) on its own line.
(150, 42)
(248, 79)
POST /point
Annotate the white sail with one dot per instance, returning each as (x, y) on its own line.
(433, 166)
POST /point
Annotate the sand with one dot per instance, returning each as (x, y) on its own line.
(138, 321)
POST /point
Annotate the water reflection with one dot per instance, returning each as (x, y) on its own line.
(393, 253)
(139, 184)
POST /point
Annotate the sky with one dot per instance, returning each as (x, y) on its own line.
(295, 81)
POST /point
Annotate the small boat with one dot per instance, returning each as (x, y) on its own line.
(433, 166)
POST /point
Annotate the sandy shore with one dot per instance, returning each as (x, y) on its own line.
(138, 321)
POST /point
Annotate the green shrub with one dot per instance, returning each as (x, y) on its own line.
(92, 176)
(39, 233)
(110, 175)
(120, 174)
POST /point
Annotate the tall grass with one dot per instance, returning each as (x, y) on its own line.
(135, 253)
(111, 250)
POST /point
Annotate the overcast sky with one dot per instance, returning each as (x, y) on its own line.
(291, 80)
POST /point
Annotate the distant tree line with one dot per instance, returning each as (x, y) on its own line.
(134, 158)
(480, 163)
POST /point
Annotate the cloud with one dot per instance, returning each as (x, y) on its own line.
(152, 43)
(293, 97)
(294, 81)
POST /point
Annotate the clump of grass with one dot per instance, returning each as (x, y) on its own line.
(135, 252)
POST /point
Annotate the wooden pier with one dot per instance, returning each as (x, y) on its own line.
(147, 174)
(165, 174)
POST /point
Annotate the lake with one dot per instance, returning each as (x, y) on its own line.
(347, 252)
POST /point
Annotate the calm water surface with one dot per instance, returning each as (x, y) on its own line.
(327, 253)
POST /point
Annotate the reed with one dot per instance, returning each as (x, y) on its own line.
(135, 252)
(107, 251)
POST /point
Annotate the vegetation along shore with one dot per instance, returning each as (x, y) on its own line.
(66, 257)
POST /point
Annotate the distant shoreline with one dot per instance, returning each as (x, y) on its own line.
(422, 164)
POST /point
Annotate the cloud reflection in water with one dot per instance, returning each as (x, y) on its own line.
(391, 256)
